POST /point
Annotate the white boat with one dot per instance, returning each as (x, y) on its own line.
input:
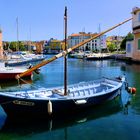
(8, 73)
(98, 56)
(21, 58)
(78, 55)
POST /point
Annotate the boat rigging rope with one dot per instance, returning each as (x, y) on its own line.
(26, 82)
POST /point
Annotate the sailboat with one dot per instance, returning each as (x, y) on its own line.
(59, 100)
(8, 73)
(19, 58)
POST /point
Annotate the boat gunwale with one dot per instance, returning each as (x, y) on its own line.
(62, 97)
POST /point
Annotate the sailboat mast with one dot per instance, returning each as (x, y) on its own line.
(65, 56)
(100, 46)
(17, 36)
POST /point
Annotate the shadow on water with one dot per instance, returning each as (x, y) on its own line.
(24, 126)
(6, 84)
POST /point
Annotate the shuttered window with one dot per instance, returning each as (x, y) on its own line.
(138, 44)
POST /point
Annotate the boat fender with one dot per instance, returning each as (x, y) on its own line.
(132, 90)
(78, 102)
(49, 107)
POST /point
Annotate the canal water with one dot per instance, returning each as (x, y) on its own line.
(115, 120)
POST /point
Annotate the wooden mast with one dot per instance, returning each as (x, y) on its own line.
(44, 62)
(17, 49)
(65, 56)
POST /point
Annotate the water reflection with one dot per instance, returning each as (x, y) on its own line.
(15, 84)
(25, 126)
(114, 119)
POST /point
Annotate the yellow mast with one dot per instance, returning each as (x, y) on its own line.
(65, 52)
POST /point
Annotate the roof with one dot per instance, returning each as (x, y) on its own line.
(135, 10)
(83, 34)
(76, 35)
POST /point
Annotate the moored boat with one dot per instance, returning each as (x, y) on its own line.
(11, 72)
(98, 56)
(45, 101)
(21, 58)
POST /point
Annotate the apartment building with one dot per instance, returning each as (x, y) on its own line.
(133, 47)
(94, 45)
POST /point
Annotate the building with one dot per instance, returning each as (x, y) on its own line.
(116, 40)
(38, 46)
(94, 45)
(133, 47)
(53, 46)
(1, 46)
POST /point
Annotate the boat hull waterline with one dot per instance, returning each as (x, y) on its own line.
(35, 102)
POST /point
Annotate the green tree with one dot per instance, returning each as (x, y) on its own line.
(21, 46)
(13, 46)
(17, 46)
(111, 47)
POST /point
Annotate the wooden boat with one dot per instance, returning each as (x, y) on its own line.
(43, 101)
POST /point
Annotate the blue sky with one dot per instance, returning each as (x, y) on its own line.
(43, 19)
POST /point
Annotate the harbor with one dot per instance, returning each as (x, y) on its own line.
(84, 85)
(121, 113)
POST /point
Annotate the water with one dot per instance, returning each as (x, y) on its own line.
(113, 120)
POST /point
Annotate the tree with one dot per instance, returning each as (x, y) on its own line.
(13, 46)
(17, 46)
(111, 47)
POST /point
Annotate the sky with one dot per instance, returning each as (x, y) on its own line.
(44, 19)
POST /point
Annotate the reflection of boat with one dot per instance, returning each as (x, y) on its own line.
(11, 72)
(50, 101)
(24, 126)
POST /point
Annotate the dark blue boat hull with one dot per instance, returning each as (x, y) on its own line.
(17, 106)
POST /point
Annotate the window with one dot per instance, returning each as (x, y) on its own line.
(138, 44)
